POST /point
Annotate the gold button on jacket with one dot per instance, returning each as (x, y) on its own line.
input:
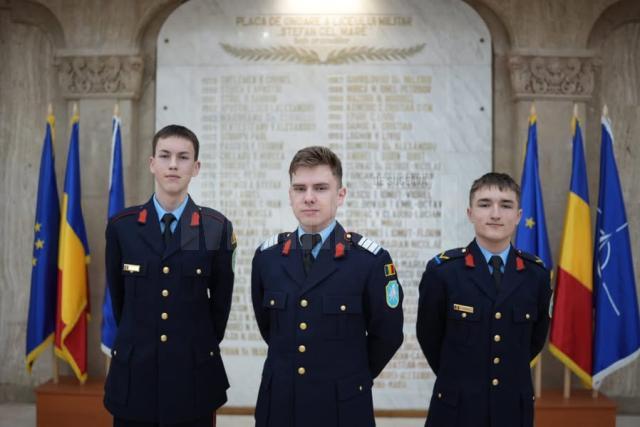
(171, 303)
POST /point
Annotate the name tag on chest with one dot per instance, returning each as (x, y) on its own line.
(131, 268)
(463, 308)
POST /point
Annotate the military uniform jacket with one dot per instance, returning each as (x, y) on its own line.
(329, 333)
(478, 340)
(171, 306)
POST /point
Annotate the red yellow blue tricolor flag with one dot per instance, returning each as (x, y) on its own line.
(572, 322)
(41, 323)
(73, 284)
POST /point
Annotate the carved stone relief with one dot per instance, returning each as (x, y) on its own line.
(100, 76)
(553, 76)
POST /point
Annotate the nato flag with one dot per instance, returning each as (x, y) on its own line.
(617, 325)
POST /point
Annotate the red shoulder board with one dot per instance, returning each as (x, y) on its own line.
(339, 250)
(142, 216)
(287, 247)
(519, 264)
(195, 219)
(469, 261)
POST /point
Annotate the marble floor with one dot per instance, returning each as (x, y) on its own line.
(24, 415)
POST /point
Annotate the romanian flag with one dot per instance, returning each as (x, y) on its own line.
(41, 324)
(73, 284)
(116, 204)
(572, 321)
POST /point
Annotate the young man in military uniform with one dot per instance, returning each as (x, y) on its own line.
(169, 269)
(483, 316)
(329, 305)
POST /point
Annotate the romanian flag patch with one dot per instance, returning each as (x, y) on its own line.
(389, 270)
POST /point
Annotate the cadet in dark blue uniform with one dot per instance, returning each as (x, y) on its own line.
(329, 305)
(483, 316)
(169, 267)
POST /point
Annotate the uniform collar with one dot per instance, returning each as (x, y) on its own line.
(177, 212)
(324, 235)
(488, 254)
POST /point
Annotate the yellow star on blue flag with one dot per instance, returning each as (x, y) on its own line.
(44, 261)
(532, 232)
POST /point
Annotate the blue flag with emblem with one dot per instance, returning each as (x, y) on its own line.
(617, 325)
(532, 230)
(116, 204)
(41, 323)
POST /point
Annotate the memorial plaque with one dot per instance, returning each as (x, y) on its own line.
(400, 90)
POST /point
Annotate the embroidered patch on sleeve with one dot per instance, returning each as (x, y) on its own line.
(389, 270)
(392, 291)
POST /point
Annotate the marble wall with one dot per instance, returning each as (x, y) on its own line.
(409, 115)
(38, 37)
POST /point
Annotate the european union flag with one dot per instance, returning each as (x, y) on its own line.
(44, 274)
(617, 325)
(532, 229)
(116, 204)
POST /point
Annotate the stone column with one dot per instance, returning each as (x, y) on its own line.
(555, 82)
(96, 83)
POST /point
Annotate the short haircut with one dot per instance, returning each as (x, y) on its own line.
(177, 131)
(317, 156)
(494, 179)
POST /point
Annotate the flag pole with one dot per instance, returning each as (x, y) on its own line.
(537, 373)
(567, 383)
(54, 366)
(567, 373)
(56, 373)
(605, 113)
(107, 359)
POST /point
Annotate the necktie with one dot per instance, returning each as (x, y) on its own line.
(309, 241)
(496, 263)
(167, 219)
